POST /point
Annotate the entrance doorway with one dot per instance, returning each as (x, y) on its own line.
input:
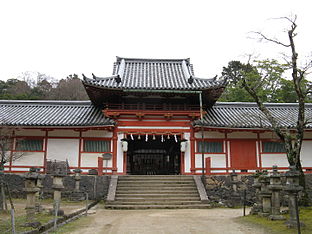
(157, 155)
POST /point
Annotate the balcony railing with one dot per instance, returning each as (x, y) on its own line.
(156, 107)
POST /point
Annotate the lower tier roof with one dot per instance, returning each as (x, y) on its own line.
(84, 113)
(51, 113)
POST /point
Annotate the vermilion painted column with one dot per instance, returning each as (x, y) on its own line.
(208, 165)
(12, 146)
(45, 151)
(114, 162)
(192, 151)
(79, 153)
(100, 166)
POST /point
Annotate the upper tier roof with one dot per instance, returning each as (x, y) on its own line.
(51, 113)
(247, 115)
(153, 74)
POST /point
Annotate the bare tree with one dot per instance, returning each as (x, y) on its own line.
(292, 138)
(6, 146)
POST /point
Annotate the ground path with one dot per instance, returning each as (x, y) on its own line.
(207, 221)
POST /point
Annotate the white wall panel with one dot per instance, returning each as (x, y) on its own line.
(30, 159)
(306, 154)
(62, 149)
(242, 135)
(187, 154)
(97, 133)
(64, 133)
(268, 160)
(217, 160)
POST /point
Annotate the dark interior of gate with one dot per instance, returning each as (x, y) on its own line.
(153, 155)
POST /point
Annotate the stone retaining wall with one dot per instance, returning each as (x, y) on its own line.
(219, 189)
(96, 186)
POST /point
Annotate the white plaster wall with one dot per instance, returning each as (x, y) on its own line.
(30, 159)
(268, 160)
(306, 154)
(64, 133)
(62, 149)
(217, 160)
(210, 134)
(91, 160)
(268, 135)
(242, 135)
(119, 153)
(29, 132)
(307, 135)
(187, 154)
(97, 133)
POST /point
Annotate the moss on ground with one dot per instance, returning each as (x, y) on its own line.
(276, 227)
(5, 222)
(82, 222)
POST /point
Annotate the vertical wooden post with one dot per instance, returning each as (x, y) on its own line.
(192, 151)
(208, 165)
(45, 151)
(100, 166)
(114, 159)
(79, 152)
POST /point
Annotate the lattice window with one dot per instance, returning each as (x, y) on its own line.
(210, 146)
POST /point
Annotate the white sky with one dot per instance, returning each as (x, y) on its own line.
(62, 37)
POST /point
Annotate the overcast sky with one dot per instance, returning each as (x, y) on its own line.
(59, 38)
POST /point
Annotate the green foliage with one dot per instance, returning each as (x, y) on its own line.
(266, 77)
(43, 88)
(279, 226)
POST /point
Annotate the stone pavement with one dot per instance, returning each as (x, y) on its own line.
(180, 221)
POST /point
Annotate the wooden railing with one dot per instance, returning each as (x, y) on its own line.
(148, 106)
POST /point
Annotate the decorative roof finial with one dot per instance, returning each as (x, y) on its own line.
(84, 77)
(94, 77)
(190, 80)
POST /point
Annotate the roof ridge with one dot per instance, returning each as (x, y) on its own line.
(153, 59)
(255, 104)
(50, 102)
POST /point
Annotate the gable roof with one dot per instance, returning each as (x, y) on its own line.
(247, 115)
(153, 74)
(51, 113)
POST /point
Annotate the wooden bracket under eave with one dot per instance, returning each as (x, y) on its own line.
(140, 115)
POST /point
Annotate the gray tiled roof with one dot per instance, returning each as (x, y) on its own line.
(247, 115)
(167, 74)
(51, 113)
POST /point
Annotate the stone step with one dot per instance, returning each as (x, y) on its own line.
(157, 199)
(167, 206)
(148, 185)
(156, 195)
(153, 203)
(156, 182)
(155, 179)
(156, 191)
(154, 176)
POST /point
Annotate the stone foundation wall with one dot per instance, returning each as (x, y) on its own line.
(219, 189)
(95, 186)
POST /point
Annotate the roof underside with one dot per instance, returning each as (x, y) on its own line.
(247, 115)
(153, 74)
(51, 113)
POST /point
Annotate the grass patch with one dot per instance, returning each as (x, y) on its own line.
(82, 222)
(5, 222)
(275, 227)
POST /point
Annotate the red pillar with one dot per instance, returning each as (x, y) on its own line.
(100, 166)
(114, 162)
(208, 165)
(192, 151)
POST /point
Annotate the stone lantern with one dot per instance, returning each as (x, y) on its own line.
(77, 195)
(57, 187)
(275, 187)
(265, 194)
(257, 207)
(292, 188)
(31, 189)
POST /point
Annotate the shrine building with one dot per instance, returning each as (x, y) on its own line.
(150, 117)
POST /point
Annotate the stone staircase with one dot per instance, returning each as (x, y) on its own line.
(156, 192)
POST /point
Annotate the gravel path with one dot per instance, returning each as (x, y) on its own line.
(206, 221)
